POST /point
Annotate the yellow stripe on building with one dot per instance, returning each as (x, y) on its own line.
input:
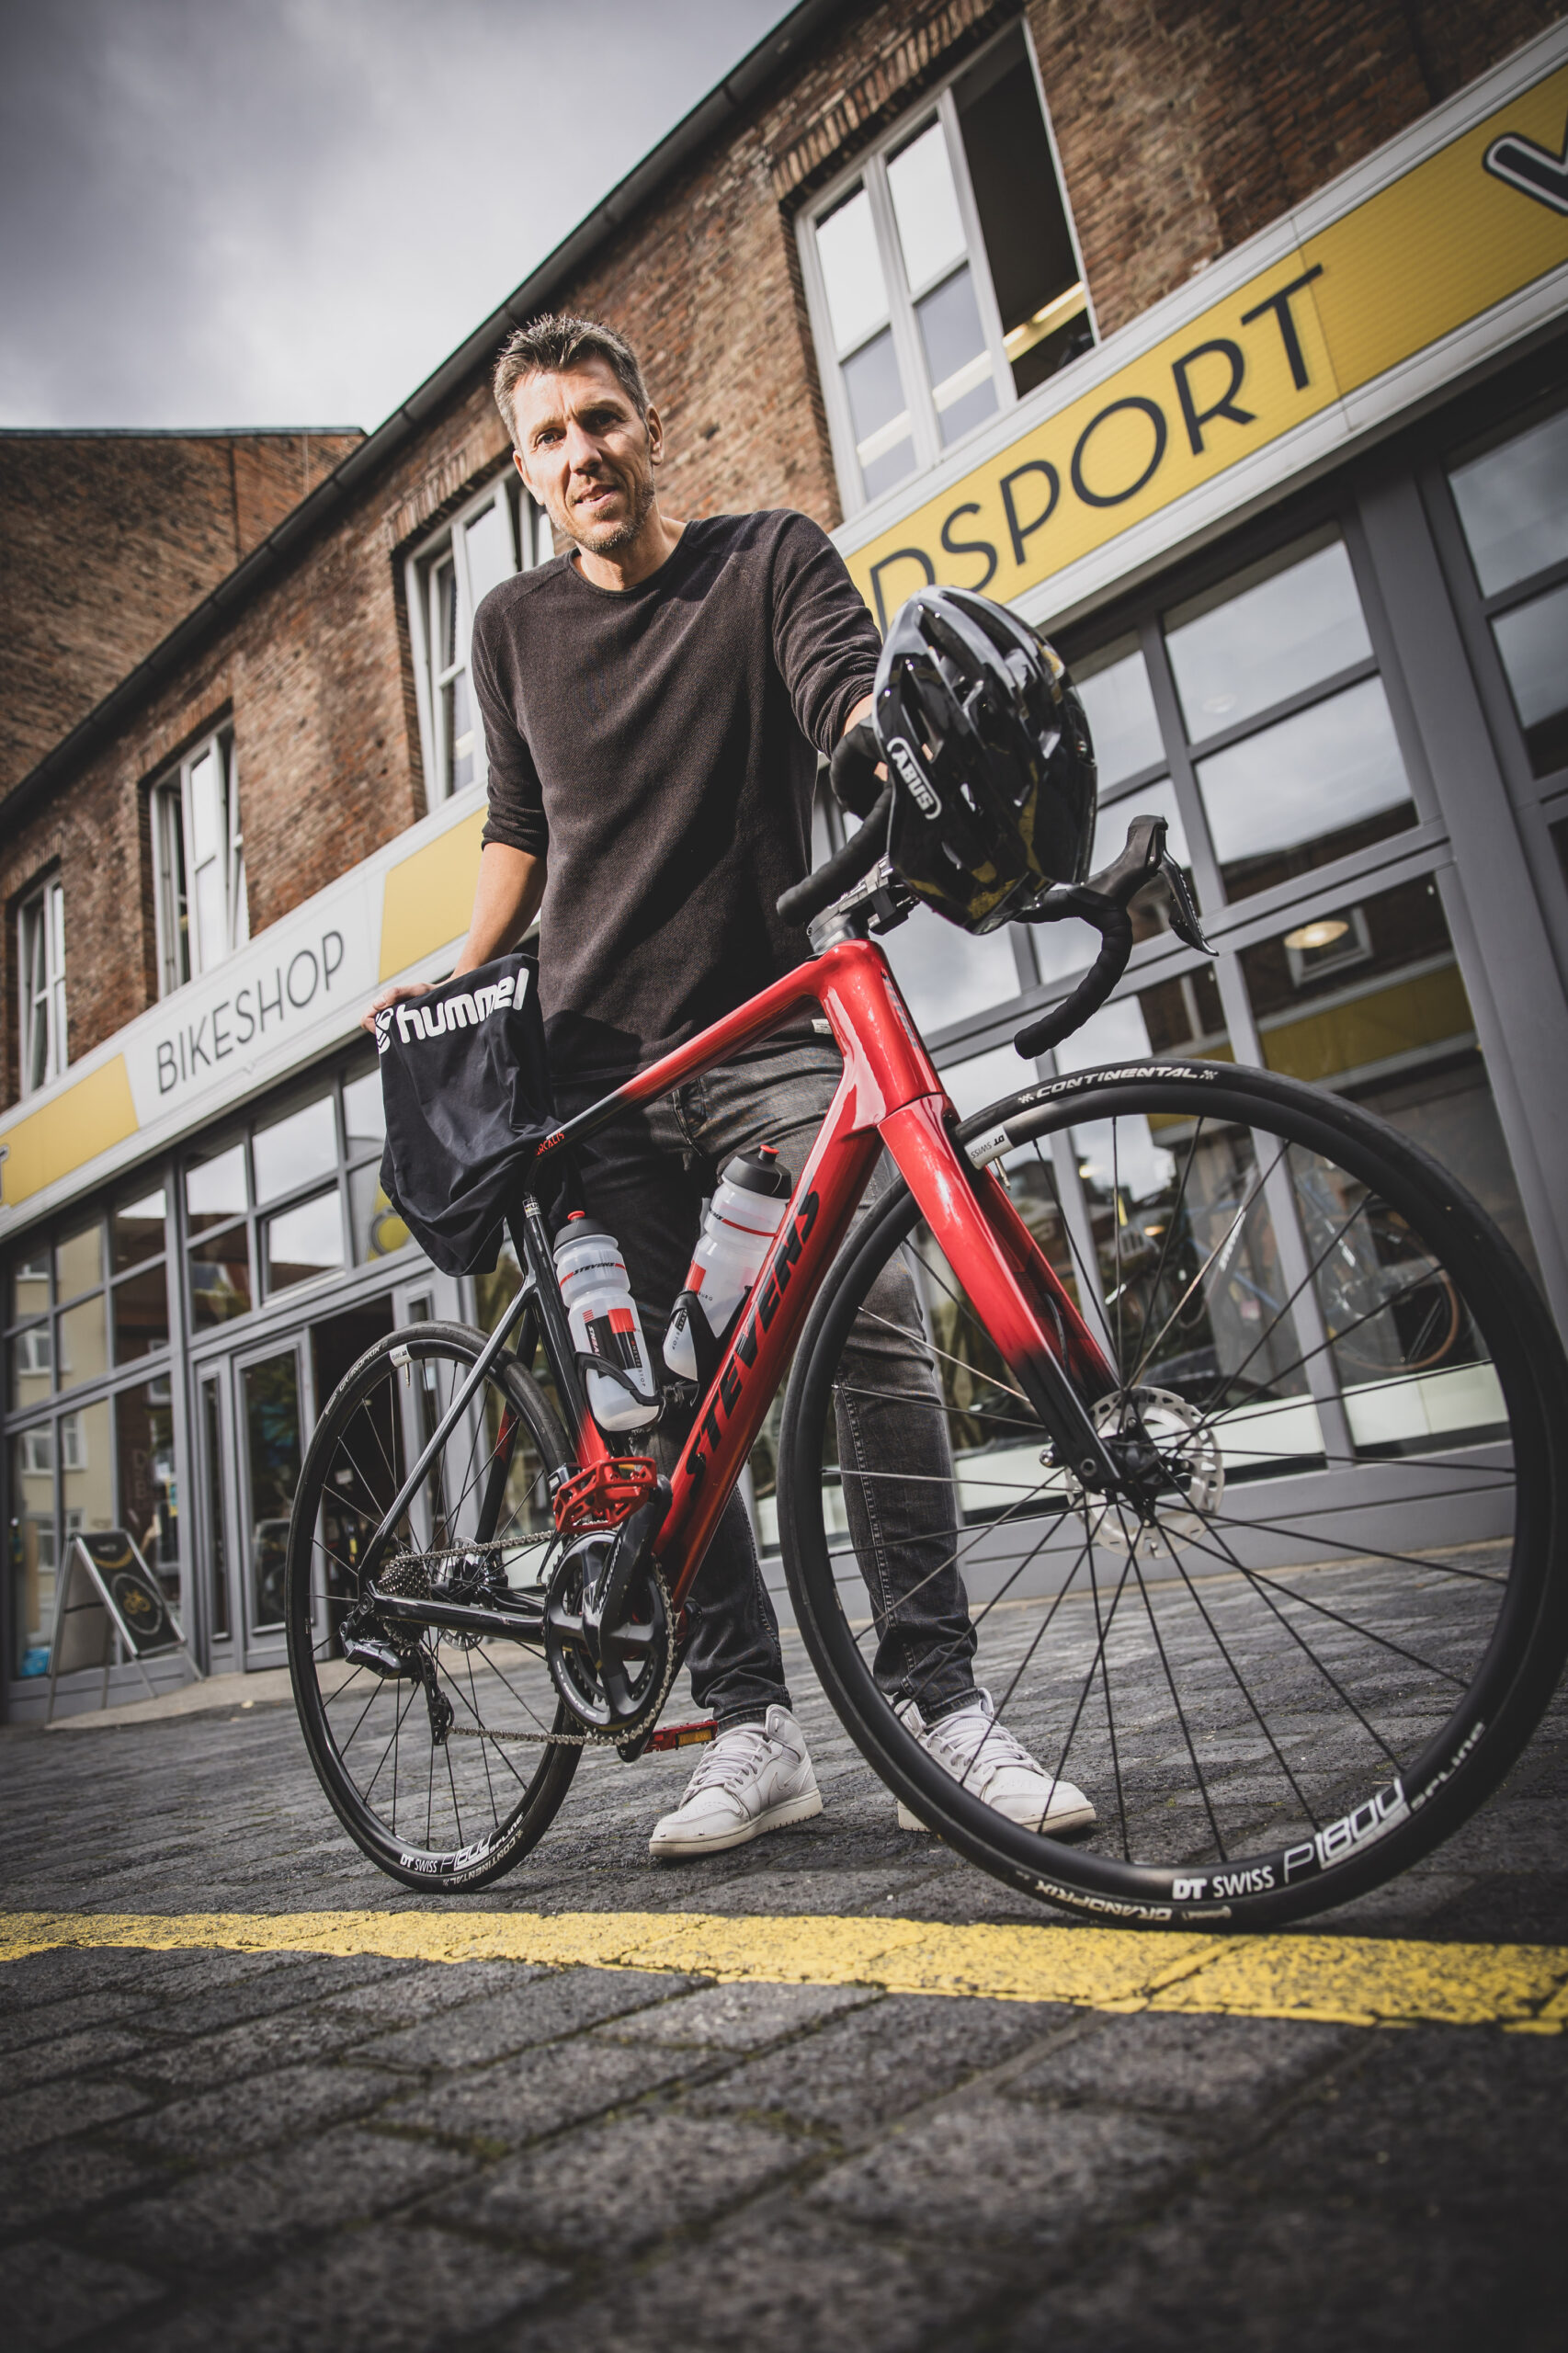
(1354, 1981)
(70, 1130)
(428, 897)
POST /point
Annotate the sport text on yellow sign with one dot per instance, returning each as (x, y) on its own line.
(1425, 255)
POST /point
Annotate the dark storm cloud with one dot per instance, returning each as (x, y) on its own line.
(269, 211)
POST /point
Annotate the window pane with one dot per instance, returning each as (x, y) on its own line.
(29, 1287)
(489, 542)
(852, 270)
(1113, 686)
(1273, 632)
(271, 1394)
(305, 1242)
(86, 1482)
(1366, 997)
(212, 914)
(217, 1519)
(1513, 503)
(141, 1314)
(881, 420)
(31, 1367)
(956, 356)
(207, 826)
(446, 605)
(149, 1500)
(79, 1261)
(459, 707)
(136, 1230)
(377, 1229)
(83, 1343)
(290, 1150)
(1310, 788)
(364, 1114)
(946, 974)
(215, 1189)
(1533, 642)
(926, 206)
(32, 1547)
(220, 1279)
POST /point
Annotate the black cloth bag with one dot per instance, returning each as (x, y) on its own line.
(465, 1080)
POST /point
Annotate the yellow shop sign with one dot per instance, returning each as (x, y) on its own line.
(1478, 221)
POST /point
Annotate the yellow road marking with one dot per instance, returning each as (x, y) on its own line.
(1356, 1980)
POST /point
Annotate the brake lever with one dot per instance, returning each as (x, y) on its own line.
(1185, 919)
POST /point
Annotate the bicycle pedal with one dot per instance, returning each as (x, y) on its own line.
(692, 1736)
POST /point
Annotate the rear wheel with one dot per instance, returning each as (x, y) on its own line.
(433, 1746)
(1337, 1612)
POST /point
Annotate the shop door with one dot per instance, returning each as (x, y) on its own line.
(274, 1408)
(217, 1606)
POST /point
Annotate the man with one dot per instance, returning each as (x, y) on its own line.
(654, 701)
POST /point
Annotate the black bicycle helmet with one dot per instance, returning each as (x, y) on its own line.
(989, 753)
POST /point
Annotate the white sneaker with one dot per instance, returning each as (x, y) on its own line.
(754, 1778)
(983, 1755)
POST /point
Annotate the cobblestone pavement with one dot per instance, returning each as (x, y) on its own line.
(277, 2150)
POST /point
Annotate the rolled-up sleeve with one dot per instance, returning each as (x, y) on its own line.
(824, 640)
(517, 815)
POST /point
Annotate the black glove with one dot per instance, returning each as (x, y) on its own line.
(852, 771)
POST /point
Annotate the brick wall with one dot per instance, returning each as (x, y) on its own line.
(107, 539)
(1183, 125)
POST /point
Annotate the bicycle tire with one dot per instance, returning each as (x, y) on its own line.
(369, 1435)
(1330, 1828)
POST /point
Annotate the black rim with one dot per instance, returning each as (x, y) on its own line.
(1263, 1689)
(425, 1765)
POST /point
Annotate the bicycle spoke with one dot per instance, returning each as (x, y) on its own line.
(1246, 1692)
(1224, 1244)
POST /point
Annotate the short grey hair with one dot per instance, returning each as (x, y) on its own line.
(549, 346)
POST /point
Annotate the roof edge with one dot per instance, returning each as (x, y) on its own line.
(725, 100)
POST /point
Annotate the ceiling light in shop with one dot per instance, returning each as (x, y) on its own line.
(1317, 934)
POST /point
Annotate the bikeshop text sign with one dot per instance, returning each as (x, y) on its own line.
(1478, 221)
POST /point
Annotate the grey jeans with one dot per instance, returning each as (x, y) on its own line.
(645, 1177)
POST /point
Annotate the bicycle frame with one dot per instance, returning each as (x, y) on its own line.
(890, 1093)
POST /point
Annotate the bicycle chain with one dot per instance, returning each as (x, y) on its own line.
(408, 1567)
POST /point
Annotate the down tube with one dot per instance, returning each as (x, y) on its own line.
(999, 1265)
(831, 1183)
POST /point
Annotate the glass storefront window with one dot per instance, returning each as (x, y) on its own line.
(149, 1495)
(136, 1231)
(1283, 625)
(215, 1189)
(377, 1229)
(1308, 790)
(217, 1517)
(141, 1314)
(79, 1261)
(288, 1152)
(271, 1394)
(31, 1367)
(87, 1469)
(364, 1114)
(1513, 505)
(1149, 910)
(1533, 642)
(32, 1547)
(945, 974)
(1119, 703)
(305, 1242)
(985, 1078)
(83, 1352)
(219, 1277)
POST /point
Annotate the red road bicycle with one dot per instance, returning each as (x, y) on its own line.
(1273, 1575)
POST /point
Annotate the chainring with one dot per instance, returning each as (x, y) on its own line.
(623, 1696)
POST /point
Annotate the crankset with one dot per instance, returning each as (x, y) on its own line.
(609, 1677)
(1168, 1456)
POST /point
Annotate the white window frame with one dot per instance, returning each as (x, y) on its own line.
(43, 1034)
(869, 169)
(528, 542)
(172, 847)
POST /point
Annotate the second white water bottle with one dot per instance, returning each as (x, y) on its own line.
(605, 1323)
(742, 1217)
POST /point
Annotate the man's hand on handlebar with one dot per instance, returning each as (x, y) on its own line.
(855, 771)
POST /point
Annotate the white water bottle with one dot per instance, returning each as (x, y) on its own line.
(742, 1217)
(605, 1323)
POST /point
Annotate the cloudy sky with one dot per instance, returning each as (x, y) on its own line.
(289, 212)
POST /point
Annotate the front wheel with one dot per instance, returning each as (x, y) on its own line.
(434, 1747)
(1325, 1610)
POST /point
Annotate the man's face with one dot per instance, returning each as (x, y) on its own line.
(586, 455)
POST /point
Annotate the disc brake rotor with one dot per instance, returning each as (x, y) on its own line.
(1191, 1467)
